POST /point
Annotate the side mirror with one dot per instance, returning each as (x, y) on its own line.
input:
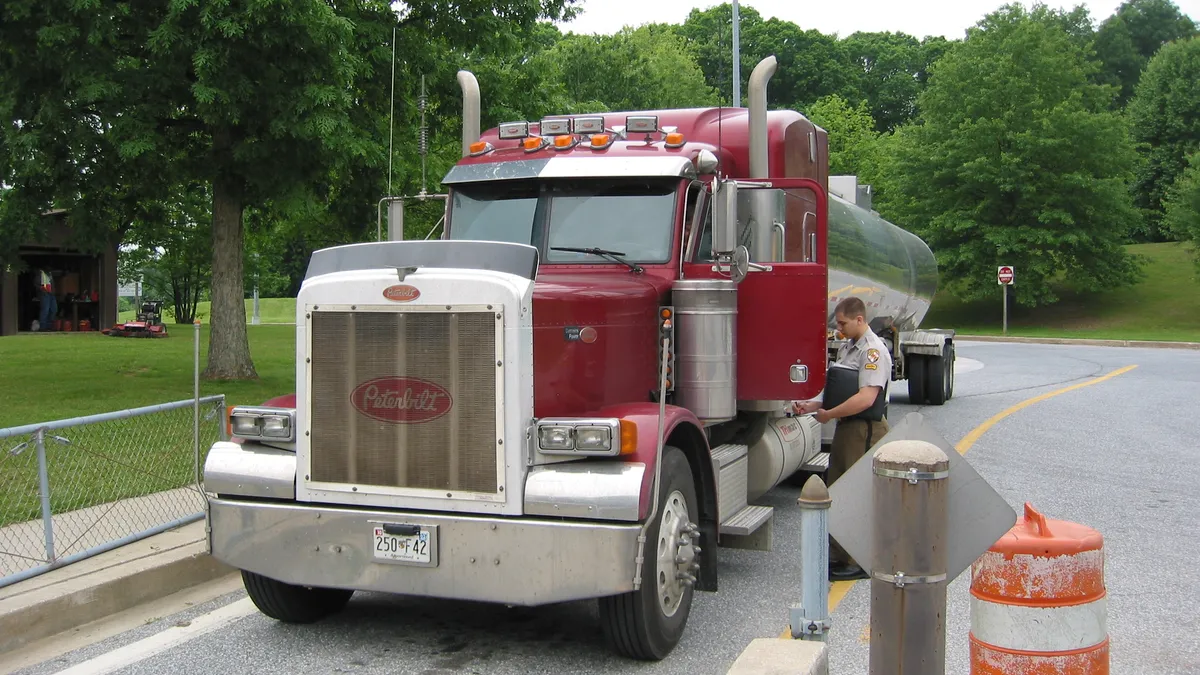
(725, 216)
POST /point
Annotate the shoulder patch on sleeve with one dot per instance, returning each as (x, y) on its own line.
(871, 366)
(872, 355)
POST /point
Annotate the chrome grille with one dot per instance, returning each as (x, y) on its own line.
(379, 382)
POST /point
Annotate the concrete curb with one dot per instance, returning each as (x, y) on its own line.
(1149, 344)
(92, 589)
(773, 656)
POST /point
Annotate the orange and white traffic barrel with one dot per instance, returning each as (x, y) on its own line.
(1038, 601)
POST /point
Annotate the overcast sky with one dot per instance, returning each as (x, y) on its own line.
(949, 18)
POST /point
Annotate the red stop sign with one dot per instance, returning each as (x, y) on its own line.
(1004, 275)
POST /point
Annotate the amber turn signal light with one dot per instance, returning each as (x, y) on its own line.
(629, 437)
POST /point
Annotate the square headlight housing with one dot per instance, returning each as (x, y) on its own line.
(593, 437)
(267, 424)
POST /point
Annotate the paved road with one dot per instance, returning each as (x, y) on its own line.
(1119, 456)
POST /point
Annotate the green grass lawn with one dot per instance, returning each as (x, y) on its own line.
(61, 375)
(1164, 306)
(270, 310)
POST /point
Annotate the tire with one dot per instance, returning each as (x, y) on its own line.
(293, 604)
(636, 624)
(916, 378)
(939, 376)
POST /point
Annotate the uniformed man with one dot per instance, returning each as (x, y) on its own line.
(861, 418)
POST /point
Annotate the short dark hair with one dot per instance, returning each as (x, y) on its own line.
(851, 307)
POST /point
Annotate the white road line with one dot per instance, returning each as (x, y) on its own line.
(964, 365)
(161, 642)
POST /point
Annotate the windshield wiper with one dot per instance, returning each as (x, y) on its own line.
(604, 253)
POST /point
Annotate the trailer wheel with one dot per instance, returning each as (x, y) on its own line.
(939, 375)
(647, 624)
(916, 378)
(293, 604)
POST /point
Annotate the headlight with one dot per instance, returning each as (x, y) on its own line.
(582, 436)
(593, 438)
(555, 438)
(276, 424)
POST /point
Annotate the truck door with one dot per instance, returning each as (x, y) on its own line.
(782, 300)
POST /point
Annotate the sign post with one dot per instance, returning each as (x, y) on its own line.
(1004, 277)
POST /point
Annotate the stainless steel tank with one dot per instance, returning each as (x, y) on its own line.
(706, 347)
(891, 269)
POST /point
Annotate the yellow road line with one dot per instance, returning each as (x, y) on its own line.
(969, 440)
(840, 588)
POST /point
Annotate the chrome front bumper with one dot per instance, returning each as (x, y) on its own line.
(517, 561)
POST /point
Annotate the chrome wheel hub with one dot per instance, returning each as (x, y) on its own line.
(677, 554)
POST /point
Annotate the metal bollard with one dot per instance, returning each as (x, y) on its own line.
(908, 585)
(810, 621)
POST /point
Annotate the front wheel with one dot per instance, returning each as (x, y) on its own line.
(293, 604)
(647, 623)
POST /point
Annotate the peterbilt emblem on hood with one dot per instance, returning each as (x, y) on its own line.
(401, 400)
(401, 293)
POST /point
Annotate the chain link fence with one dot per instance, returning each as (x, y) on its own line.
(71, 489)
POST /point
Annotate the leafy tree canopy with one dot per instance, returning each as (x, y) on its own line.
(1165, 115)
(1017, 160)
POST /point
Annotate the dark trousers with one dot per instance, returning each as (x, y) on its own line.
(851, 440)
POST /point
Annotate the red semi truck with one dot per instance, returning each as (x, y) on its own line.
(581, 389)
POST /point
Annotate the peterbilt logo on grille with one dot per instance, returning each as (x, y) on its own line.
(401, 293)
(401, 400)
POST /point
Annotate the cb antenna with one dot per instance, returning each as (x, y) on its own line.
(422, 134)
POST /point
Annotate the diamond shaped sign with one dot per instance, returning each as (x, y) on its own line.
(978, 515)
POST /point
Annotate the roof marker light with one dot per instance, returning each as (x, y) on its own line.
(588, 125)
(480, 148)
(534, 143)
(602, 141)
(642, 124)
(556, 127)
(674, 140)
(564, 142)
(511, 130)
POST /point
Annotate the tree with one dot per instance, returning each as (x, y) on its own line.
(646, 68)
(170, 251)
(1017, 160)
(1128, 39)
(1182, 217)
(852, 137)
(891, 70)
(262, 101)
(1165, 115)
(811, 64)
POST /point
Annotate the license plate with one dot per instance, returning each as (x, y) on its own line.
(414, 546)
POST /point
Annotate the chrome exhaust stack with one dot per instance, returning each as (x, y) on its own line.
(763, 234)
(470, 89)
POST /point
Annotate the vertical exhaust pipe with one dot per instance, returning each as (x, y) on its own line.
(763, 233)
(758, 116)
(470, 90)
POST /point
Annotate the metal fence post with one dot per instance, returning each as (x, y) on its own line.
(908, 588)
(810, 621)
(44, 489)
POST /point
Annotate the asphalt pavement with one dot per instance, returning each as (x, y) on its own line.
(1120, 456)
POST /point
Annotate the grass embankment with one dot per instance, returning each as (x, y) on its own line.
(61, 375)
(1164, 306)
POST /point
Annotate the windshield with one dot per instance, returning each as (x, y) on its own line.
(629, 216)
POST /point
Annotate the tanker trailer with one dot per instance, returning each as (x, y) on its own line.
(895, 274)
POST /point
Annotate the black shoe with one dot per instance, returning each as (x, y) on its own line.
(846, 572)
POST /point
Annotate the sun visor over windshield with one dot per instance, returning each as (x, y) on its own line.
(518, 259)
